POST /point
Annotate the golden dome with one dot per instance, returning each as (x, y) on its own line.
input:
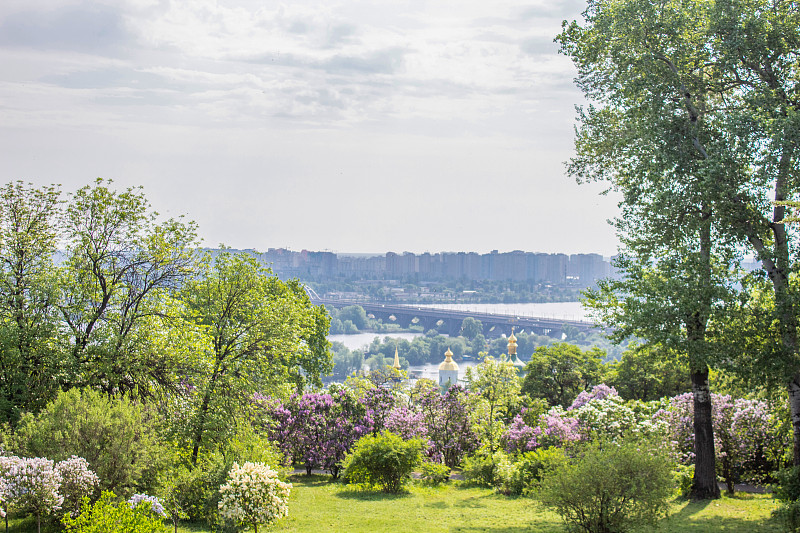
(512, 345)
(448, 363)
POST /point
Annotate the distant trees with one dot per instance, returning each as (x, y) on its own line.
(558, 373)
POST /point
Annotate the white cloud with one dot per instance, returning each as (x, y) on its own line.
(348, 102)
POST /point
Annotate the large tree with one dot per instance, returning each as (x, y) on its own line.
(29, 359)
(646, 67)
(728, 72)
(122, 268)
(259, 333)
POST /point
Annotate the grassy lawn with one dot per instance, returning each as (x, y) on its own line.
(318, 505)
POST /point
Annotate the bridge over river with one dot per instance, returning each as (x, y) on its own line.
(449, 321)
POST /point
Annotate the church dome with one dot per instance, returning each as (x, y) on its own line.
(448, 363)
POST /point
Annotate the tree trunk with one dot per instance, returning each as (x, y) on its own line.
(704, 484)
(794, 409)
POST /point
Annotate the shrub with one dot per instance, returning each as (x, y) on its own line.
(435, 473)
(32, 486)
(385, 460)
(254, 495)
(486, 469)
(683, 477)
(107, 515)
(77, 481)
(114, 436)
(788, 492)
(788, 516)
(531, 467)
(610, 488)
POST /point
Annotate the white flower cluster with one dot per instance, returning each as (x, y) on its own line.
(137, 499)
(253, 494)
(39, 486)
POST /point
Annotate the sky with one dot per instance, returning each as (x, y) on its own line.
(345, 126)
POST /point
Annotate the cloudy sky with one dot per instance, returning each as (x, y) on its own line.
(350, 126)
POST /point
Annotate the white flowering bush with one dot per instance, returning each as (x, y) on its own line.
(143, 499)
(77, 481)
(6, 464)
(32, 485)
(254, 495)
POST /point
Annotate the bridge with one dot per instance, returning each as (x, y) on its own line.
(449, 321)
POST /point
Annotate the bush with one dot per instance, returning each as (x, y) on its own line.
(108, 515)
(385, 459)
(531, 467)
(611, 488)
(788, 492)
(487, 470)
(788, 516)
(254, 495)
(114, 436)
(77, 482)
(683, 478)
(435, 473)
(31, 485)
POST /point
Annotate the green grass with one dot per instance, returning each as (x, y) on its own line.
(316, 504)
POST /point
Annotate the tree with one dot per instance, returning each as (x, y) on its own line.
(649, 372)
(121, 269)
(559, 372)
(495, 387)
(471, 328)
(259, 332)
(727, 71)
(29, 359)
(650, 67)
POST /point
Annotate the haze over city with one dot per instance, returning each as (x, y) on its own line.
(347, 126)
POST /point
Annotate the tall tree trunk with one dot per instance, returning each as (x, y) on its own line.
(704, 483)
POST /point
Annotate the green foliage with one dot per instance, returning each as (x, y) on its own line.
(788, 516)
(683, 478)
(258, 333)
(471, 328)
(434, 473)
(530, 468)
(30, 360)
(108, 515)
(121, 270)
(787, 488)
(486, 469)
(611, 488)
(558, 373)
(496, 388)
(649, 372)
(116, 436)
(385, 460)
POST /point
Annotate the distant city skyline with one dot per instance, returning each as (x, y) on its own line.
(352, 126)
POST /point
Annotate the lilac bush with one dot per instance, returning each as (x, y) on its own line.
(598, 392)
(7, 463)
(77, 481)
(32, 485)
(746, 443)
(317, 429)
(155, 506)
(407, 423)
(556, 427)
(446, 417)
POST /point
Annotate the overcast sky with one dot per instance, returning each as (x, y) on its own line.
(349, 126)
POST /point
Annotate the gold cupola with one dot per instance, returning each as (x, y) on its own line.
(448, 363)
(512, 346)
